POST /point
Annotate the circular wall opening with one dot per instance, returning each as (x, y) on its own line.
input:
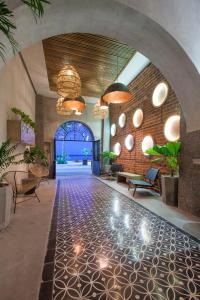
(122, 120)
(113, 129)
(160, 94)
(129, 142)
(138, 118)
(172, 128)
(147, 143)
(117, 149)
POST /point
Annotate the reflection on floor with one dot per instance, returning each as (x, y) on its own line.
(108, 247)
(73, 168)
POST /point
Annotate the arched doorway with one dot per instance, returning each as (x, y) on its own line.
(73, 149)
(127, 24)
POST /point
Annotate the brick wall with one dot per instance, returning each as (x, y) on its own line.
(153, 123)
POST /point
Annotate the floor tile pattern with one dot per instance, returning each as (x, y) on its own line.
(110, 248)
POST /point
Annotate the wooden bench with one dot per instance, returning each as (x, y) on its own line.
(125, 176)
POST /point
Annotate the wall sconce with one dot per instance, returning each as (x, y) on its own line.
(113, 129)
(122, 120)
(129, 142)
(147, 143)
(172, 128)
(117, 149)
(160, 94)
(138, 118)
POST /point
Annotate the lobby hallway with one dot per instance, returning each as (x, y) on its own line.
(103, 245)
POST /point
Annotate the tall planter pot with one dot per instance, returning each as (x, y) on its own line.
(6, 205)
(169, 190)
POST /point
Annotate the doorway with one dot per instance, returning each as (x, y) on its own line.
(73, 149)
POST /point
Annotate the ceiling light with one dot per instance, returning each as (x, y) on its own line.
(74, 104)
(117, 93)
(68, 82)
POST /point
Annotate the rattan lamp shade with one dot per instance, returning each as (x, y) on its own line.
(68, 82)
(117, 93)
(74, 104)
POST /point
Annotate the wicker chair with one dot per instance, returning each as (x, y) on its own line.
(22, 185)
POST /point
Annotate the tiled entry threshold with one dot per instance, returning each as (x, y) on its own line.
(103, 245)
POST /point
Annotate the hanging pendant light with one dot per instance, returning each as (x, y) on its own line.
(103, 104)
(68, 82)
(117, 92)
(98, 112)
(74, 104)
(60, 109)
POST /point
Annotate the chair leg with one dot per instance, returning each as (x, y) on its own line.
(134, 190)
(37, 196)
(15, 203)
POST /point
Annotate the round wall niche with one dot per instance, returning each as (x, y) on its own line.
(117, 149)
(147, 143)
(160, 94)
(113, 129)
(122, 120)
(172, 128)
(138, 118)
(129, 142)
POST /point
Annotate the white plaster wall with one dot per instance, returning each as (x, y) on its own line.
(15, 90)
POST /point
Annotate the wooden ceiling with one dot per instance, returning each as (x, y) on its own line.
(94, 57)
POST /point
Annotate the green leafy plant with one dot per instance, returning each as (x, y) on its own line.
(24, 117)
(62, 159)
(108, 156)
(7, 27)
(167, 153)
(35, 155)
(86, 152)
(7, 157)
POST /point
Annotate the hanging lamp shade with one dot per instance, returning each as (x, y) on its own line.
(60, 108)
(117, 93)
(68, 82)
(100, 111)
(74, 104)
(103, 104)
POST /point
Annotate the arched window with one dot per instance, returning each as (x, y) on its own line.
(74, 131)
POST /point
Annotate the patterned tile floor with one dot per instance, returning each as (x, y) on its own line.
(104, 246)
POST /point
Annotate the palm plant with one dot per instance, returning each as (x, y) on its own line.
(108, 156)
(7, 27)
(7, 157)
(167, 153)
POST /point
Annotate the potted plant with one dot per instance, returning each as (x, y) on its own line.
(24, 117)
(169, 183)
(35, 155)
(62, 159)
(7, 158)
(85, 153)
(108, 157)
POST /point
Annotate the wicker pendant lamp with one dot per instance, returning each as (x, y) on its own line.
(68, 82)
(117, 92)
(74, 104)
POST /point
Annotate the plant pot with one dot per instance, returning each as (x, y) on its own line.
(107, 168)
(85, 162)
(169, 190)
(6, 205)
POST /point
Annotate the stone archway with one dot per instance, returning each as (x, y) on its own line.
(113, 19)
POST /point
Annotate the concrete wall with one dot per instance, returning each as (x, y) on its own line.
(15, 90)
